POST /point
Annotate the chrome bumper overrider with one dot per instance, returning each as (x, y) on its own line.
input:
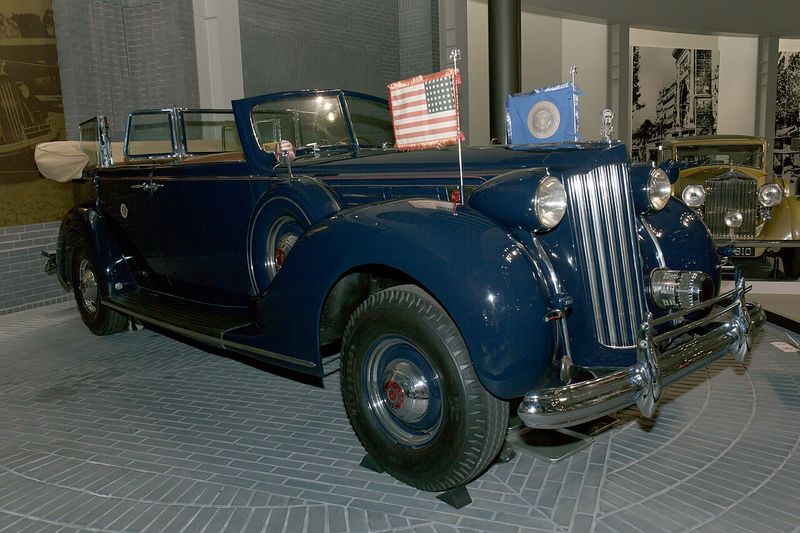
(729, 328)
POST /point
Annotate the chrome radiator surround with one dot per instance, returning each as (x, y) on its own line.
(731, 193)
(604, 229)
(642, 383)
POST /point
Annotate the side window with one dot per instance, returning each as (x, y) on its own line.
(210, 132)
(371, 122)
(149, 134)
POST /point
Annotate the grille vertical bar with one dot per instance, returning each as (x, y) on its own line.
(601, 207)
(724, 194)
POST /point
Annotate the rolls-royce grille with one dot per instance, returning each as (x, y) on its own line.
(601, 208)
(731, 193)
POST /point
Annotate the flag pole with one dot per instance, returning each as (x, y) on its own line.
(455, 55)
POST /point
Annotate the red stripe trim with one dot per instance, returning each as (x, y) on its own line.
(425, 122)
(409, 94)
(415, 103)
(401, 135)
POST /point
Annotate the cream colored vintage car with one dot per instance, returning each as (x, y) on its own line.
(724, 178)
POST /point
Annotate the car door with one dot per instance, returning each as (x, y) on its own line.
(126, 198)
(202, 212)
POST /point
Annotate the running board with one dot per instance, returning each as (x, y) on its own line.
(201, 322)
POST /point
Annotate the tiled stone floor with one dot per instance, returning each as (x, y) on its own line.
(140, 432)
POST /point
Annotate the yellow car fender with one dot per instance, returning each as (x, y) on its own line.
(785, 222)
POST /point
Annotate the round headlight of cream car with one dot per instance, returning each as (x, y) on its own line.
(659, 189)
(770, 194)
(694, 195)
(550, 202)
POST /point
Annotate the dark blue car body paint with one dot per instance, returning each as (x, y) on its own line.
(473, 259)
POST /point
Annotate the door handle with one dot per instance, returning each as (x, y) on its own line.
(147, 186)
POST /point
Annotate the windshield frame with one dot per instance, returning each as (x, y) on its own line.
(706, 152)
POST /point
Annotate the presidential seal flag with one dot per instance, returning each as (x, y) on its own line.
(543, 115)
(425, 110)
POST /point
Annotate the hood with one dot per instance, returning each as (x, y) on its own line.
(484, 162)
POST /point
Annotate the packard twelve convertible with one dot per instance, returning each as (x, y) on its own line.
(564, 284)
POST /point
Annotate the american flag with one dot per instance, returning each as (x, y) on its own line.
(425, 110)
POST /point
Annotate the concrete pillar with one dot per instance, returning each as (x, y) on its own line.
(219, 52)
(505, 41)
(619, 80)
(766, 90)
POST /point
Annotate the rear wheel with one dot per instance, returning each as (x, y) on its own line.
(100, 319)
(412, 395)
(791, 262)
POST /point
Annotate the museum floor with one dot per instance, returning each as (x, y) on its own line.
(140, 432)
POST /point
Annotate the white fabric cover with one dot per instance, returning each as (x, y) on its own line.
(60, 161)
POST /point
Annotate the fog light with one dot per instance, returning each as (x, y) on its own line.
(694, 195)
(764, 214)
(733, 219)
(680, 289)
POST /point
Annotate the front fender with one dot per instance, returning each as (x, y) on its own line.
(306, 199)
(785, 222)
(472, 266)
(676, 238)
(83, 222)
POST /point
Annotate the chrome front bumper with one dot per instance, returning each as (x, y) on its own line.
(732, 323)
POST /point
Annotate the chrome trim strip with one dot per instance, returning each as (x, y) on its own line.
(756, 243)
(641, 383)
(659, 252)
(208, 339)
(605, 234)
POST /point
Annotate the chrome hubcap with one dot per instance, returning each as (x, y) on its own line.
(87, 286)
(282, 236)
(403, 392)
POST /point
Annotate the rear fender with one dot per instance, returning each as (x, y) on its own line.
(480, 275)
(84, 223)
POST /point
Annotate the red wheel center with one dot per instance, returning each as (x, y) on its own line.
(394, 393)
(280, 257)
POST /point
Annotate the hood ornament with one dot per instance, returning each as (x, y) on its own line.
(607, 128)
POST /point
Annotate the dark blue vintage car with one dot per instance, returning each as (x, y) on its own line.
(568, 285)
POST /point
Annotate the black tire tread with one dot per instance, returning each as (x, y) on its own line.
(487, 416)
(791, 262)
(105, 321)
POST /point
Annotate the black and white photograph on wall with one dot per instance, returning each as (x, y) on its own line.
(786, 154)
(674, 94)
(31, 109)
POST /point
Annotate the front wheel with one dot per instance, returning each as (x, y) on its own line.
(100, 319)
(412, 395)
(791, 262)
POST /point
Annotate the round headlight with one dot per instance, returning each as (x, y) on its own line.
(770, 194)
(659, 189)
(550, 202)
(694, 195)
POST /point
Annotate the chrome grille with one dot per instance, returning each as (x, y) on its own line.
(601, 208)
(724, 194)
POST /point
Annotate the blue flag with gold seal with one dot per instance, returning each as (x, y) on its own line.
(543, 115)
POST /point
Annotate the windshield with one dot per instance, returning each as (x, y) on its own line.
(305, 121)
(750, 155)
(371, 122)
